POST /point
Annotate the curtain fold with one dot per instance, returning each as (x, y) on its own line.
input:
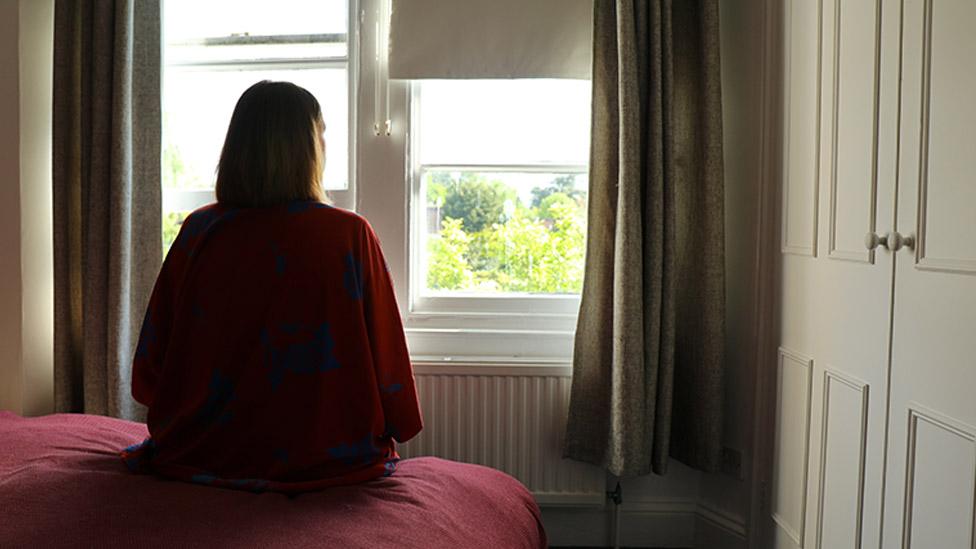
(107, 198)
(648, 362)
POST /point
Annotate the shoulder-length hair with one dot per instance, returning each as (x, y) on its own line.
(273, 152)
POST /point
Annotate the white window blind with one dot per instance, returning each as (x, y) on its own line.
(448, 39)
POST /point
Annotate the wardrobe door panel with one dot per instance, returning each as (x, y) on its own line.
(836, 303)
(932, 427)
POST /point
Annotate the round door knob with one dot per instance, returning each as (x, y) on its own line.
(872, 240)
(895, 241)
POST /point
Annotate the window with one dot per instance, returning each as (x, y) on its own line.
(215, 50)
(476, 188)
(501, 170)
(498, 179)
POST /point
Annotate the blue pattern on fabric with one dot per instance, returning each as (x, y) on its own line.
(203, 478)
(142, 454)
(147, 336)
(279, 259)
(304, 205)
(255, 485)
(219, 397)
(353, 277)
(390, 466)
(362, 451)
(314, 355)
(391, 388)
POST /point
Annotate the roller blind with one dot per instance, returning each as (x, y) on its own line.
(490, 38)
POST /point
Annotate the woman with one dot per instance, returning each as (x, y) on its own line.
(272, 356)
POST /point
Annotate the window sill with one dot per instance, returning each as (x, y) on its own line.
(496, 346)
(473, 366)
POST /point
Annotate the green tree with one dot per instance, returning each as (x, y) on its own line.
(171, 228)
(534, 258)
(447, 268)
(478, 203)
(438, 183)
(532, 250)
(174, 169)
(545, 207)
(565, 184)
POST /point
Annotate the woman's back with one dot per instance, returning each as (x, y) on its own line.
(272, 354)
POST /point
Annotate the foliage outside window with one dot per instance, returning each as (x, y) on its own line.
(501, 166)
(484, 238)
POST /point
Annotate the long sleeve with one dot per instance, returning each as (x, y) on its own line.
(157, 324)
(388, 345)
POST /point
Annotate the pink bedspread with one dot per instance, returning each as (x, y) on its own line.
(62, 485)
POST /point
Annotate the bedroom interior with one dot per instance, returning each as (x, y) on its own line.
(671, 274)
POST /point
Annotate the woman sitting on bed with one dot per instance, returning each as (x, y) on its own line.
(272, 356)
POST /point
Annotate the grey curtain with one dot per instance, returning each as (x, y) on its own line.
(648, 360)
(107, 226)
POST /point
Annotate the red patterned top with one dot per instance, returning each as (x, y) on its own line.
(272, 356)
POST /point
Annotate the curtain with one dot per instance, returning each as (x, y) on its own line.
(648, 358)
(107, 198)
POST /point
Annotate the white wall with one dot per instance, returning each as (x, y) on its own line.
(742, 89)
(26, 249)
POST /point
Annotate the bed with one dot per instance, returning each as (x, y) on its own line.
(62, 485)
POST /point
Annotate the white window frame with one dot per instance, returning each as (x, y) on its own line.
(536, 329)
(384, 185)
(175, 200)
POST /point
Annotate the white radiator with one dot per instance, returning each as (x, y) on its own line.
(511, 418)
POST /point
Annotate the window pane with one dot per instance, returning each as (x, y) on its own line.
(197, 109)
(504, 122)
(196, 19)
(512, 232)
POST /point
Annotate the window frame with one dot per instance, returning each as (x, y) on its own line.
(537, 328)
(176, 200)
(384, 185)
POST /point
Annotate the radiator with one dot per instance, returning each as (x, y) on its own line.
(511, 418)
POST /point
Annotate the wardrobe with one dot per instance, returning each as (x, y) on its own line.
(875, 435)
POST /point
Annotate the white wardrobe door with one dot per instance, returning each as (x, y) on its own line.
(838, 185)
(932, 430)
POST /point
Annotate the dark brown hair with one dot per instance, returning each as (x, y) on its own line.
(273, 152)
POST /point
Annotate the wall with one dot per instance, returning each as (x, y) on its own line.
(26, 269)
(683, 509)
(743, 75)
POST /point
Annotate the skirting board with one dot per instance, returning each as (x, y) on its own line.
(651, 523)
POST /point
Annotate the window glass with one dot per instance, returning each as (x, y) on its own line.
(502, 172)
(199, 104)
(504, 121)
(186, 20)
